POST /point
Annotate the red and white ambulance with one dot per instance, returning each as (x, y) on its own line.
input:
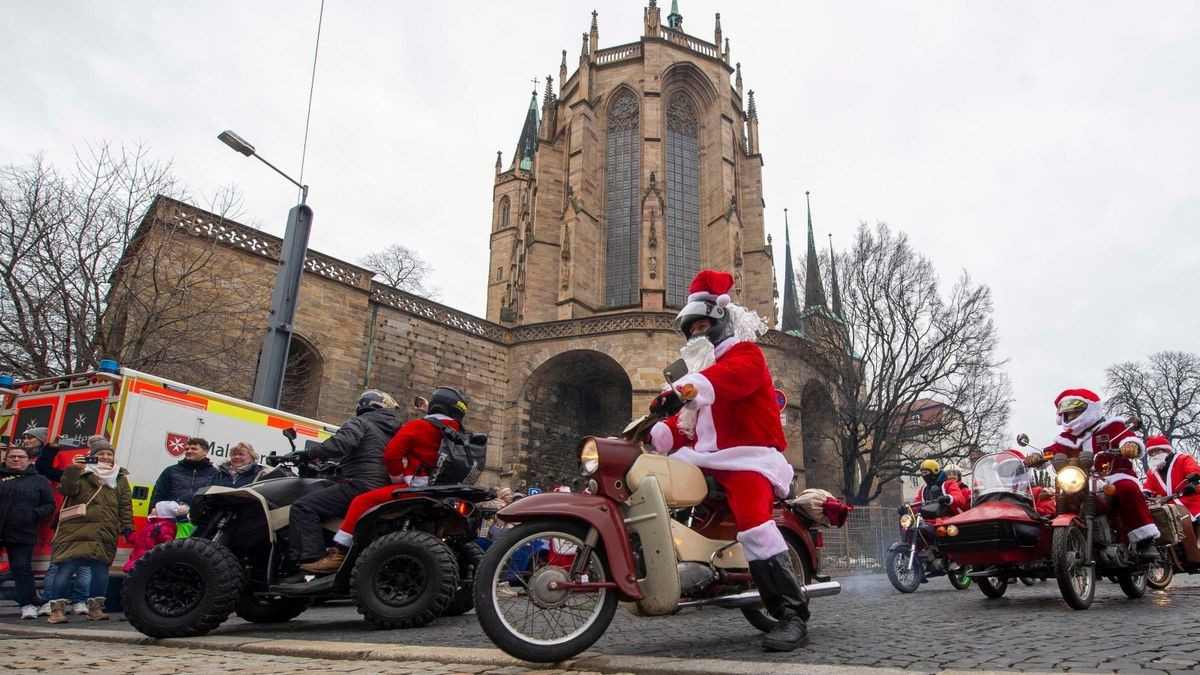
(148, 419)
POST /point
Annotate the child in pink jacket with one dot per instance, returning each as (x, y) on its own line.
(160, 527)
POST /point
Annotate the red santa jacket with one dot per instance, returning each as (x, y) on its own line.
(1172, 478)
(413, 451)
(737, 425)
(960, 500)
(1109, 434)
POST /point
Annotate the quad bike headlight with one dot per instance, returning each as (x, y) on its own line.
(589, 457)
(1071, 479)
(906, 520)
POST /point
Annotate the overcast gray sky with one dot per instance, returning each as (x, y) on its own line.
(1049, 148)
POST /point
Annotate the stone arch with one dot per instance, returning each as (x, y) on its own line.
(688, 77)
(571, 395)
(302, 378)
(818, 423)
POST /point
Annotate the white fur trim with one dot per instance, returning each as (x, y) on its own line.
(417, 481)
(723, 300)
(702, 296)
(396, 479)
(762, 541)
(1113, 478)
(1165, 446)
(343, 539)
(661, 438)
(705, 394)
(767, 461)
(1144, 532)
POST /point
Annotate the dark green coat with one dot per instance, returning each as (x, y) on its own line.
(93, 536)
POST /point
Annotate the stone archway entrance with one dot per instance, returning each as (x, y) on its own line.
(302, 378)
(574, 394)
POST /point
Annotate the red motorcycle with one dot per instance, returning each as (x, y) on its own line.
(1179, 550)
(617, 542)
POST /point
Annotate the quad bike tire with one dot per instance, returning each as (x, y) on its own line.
(259, 609)
(759, 617)
(469, 558)
(182, 588)
(404, 580)
(897, 559)
(992, 587)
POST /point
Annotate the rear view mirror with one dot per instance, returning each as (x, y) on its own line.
(1022, 440)
(289, 433)
(675, 371)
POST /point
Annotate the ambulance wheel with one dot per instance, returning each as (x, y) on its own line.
(469, 557)
(182, 588)
(993, 587)
(257, 608)
(404, 580)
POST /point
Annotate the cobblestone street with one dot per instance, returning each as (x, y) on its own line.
(868, 625)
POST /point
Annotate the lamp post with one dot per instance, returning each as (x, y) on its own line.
(272, 361)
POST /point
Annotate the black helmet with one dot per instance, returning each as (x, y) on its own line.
(450, 402)
(372, 399)
(704, 309)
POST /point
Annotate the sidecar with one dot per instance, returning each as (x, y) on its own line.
(1002, 536)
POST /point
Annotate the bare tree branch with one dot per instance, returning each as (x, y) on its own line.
(402, 268)
(1164, 391)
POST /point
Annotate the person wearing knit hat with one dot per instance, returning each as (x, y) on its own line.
(730, 428)
(1086, 429)
(1169, 472)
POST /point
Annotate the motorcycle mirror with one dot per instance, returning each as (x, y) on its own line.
(675, 371)
(1134, 423)
(290, 433)
(1022, 440)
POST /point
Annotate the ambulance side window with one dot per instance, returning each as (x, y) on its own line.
(140, 492)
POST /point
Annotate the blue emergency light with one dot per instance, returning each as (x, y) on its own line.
(6, 381)
(109, 366)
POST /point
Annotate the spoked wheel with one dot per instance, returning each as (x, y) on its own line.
(759, 617)
(1133, 584)
(1076, 580)
(958, 578)
(904, 578)
(1161, 572)
(404, 580)
(182, 588)
(993, 587)
(519, 603)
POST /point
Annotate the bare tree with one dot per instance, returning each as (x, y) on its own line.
(1164, 391)
(401, 267)
(84, 276)
(916, 372)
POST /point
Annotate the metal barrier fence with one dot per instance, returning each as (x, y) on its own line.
(860, 545)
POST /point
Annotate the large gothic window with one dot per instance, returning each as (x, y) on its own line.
(621, 210)
(683, 196)
(505, 207)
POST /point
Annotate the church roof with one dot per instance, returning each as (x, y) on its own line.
(523, 157)
(791, 305)
(814, 290)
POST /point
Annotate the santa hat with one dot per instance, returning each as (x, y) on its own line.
(1093, 413)
(1086, 395)
(1160, 442)
(711, 286)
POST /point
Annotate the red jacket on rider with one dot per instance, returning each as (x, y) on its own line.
(960, 500)
(413, 451)
(1172, 476)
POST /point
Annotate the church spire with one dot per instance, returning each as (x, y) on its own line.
(523, 157)
(836, 300)
(791, 308)
(814, 291)
(717, 31)
(594, 33)
(675, 19)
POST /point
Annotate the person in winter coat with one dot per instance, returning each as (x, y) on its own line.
(25, 501)
(731, 430)
(408, 457)
(357, 446)
(161, 526)
(938, 487)
(88, 537)
(1168, 474)
(52, 460)
(178, 482)
(242, 468)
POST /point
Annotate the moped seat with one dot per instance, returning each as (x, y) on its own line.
(682, 483)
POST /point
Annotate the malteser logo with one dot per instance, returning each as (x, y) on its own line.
(176, 444)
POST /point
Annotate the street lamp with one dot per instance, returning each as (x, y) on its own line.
(272, 361)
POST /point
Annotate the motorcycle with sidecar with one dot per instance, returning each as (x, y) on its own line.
(907, 567)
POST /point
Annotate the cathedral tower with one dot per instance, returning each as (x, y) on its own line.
(639, 170)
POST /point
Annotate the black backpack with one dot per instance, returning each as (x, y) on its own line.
(461, 456)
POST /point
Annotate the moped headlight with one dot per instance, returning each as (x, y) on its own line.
(589, 457)
(1071, 479)
(906, 520)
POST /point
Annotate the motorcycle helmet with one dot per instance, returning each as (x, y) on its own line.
(372, 399)
(708, 298)
(931, 466)
(450, 402)
(955, 469)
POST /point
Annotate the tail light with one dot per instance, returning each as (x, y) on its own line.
(461, 507)
(817, 537)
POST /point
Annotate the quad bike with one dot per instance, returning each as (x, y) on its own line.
(1179, 550)
(413, 558)
(548, 589)
(907, 567)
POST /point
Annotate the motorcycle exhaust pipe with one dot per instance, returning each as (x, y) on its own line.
(752, 598)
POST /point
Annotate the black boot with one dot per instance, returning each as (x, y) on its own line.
(1146, 550)
(781, 593)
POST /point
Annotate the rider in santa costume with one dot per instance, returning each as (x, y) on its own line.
(1168, 474)
(1086, 429)
(731, 430)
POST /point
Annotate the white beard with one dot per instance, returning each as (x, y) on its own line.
(698, 354)
(1159, 465)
